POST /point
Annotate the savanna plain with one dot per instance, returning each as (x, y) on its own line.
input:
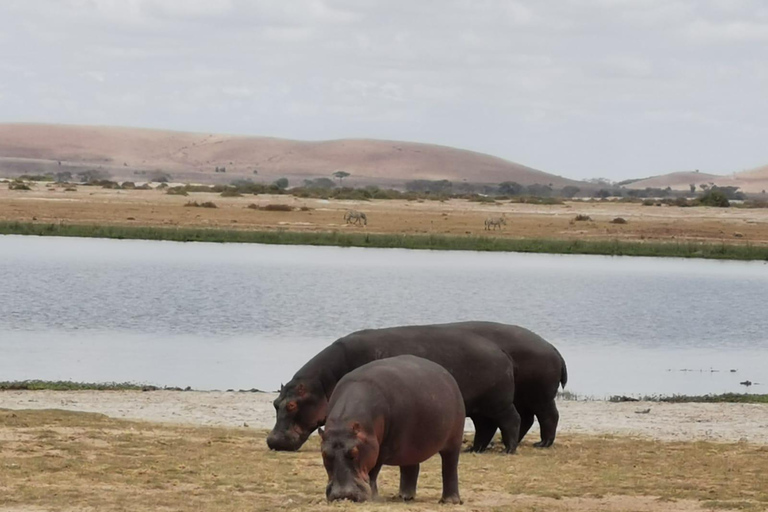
(57, 452)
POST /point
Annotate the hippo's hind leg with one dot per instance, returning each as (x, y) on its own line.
(526, 421)
(504, 414)
(409, 477)
(450, 461)
(548, 418)
(484, 430)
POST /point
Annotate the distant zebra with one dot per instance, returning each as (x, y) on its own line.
(496, 222)
(355, 217)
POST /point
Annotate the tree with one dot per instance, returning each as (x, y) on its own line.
(693, 187)
(704, 186)
(569, 191)
(92, 175)
(319, 183)
(537, 190)
(281, 183)
(63, 177)
(510, 188)
(603, 193)
(341, 175)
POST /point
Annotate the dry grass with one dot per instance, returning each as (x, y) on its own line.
(55, 460)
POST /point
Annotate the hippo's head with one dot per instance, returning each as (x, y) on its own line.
(300, 410)
(349, 454)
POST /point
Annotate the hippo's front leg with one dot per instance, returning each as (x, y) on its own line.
(372, 476)
(409, 477)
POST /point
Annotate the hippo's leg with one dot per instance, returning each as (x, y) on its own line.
(450, 460)
(409, 476)
(526, 421)
(548, 418)
(372, 476)
(508, 420)
(484, 431)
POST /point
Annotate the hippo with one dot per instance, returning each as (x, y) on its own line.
(398, 411)
(484, 373)
(538, 370)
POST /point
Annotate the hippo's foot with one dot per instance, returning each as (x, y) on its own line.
(406, 497)
(544, 443)
(474, 449)
(451, 500)
(511, 450)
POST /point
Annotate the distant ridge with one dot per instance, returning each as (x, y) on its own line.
(193, 157)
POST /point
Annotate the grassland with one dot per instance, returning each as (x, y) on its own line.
(55, 460)
(410, 241)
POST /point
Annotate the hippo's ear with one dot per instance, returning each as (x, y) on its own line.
(301, 390)
(321, 432)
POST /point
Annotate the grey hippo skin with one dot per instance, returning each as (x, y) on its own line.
(398, 411)
(539, 371)
(484, 373)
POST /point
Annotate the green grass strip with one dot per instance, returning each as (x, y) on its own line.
(721, 251)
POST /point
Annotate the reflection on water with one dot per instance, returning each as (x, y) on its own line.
(242, 316)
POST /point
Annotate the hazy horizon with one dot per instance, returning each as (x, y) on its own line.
(579, 88)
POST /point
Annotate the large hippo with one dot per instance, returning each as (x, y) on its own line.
(398, 411)
(539, 371)
(484, 373)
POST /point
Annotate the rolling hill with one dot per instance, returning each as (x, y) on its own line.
(193, 157)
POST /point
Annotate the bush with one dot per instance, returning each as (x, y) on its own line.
(582, 217)
(177, 191)
(231, 192)
(619, 220)
(18, 185)
(195, 204)
(714, 197)
(277, 208)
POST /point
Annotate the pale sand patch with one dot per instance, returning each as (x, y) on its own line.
(720, 422)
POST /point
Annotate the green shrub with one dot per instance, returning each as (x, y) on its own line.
(177, 191)
(714, 197)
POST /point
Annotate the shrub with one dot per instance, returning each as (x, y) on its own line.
(619, 220)
(18, 185)
(177, 191)
(277, 208)
(195, 204)
(231, 192)
(714, 197)
(582, 217)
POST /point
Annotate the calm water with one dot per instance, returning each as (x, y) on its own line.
(241, 316)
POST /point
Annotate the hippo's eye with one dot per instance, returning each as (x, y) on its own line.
(291, 407)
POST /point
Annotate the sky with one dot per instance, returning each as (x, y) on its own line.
(580, 88)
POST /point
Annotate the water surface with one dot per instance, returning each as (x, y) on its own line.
(240, 316)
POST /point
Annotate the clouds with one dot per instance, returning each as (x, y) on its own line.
(571, 87)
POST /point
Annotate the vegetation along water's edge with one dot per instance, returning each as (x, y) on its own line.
(67, 385)
(402, 241)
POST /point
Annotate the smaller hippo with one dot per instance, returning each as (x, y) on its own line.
(397, 411)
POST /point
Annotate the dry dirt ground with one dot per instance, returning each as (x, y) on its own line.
(194, 452)
(93, 205)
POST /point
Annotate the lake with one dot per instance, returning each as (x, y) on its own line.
(241, 316)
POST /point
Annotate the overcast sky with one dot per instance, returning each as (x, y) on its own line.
(580, 88)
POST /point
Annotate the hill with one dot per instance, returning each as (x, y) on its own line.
(128, 153)
(753, 181)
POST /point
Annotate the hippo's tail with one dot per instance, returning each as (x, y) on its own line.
(563, 371)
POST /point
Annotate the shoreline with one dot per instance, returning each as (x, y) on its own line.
(610, 247)
(681, 422)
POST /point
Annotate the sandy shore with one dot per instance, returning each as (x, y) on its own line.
(672, 422)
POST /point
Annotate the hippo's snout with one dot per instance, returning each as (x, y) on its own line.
(283, 442)
(358, 492)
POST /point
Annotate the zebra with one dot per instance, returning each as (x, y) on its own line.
(496, 222)
(355, 217)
